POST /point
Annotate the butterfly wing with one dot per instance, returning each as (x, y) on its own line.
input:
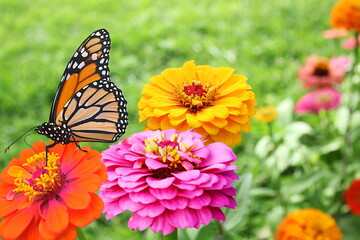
(88, 64)
(96, 113)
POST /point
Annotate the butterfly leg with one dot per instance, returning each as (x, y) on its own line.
(47, 150)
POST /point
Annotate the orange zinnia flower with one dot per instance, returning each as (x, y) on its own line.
(42, 199)
(346, 14)
(310, 224)
(213, 101)
(352, 197)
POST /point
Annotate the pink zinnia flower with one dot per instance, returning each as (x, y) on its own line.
(321, 72)
(335, 33)
(350, 43)
(323, 98)
(169, 180)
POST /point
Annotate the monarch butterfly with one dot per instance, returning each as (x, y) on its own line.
(87, 107)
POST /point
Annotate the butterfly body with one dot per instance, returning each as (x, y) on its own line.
(87, 107)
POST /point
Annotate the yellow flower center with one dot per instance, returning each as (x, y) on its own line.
(322, 68)
(195, 96)
(174, 154)
(37, 178)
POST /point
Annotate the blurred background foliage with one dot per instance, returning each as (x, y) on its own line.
(264, 40)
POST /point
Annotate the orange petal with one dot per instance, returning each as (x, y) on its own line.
(81, 218)
(8, 206)
(45, 231)
(90, 183)
(57, 218)
(192, 120)
(18, 222)
(75, 199)
(69, 234)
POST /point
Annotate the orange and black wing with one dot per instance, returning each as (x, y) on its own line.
(96, 113)
(88, 64)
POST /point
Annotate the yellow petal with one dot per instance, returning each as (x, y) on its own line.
(220, 111)
(158, 101)
(176, 112)
(211, 129)
(189, 70)
(219, 122)
(153, 123)
(163, 83)
(233, 126)
(205, 114)
(172, 76)
(228, 102)
(165, 124)
(153, 90)
(192, 120)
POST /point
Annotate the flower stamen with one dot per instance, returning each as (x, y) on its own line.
(195, 96)
(37, 178)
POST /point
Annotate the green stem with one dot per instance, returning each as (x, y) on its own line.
(347, 148)
(171, 236)
(271, 132)
(81, 234)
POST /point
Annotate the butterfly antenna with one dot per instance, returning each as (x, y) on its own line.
(19, 138)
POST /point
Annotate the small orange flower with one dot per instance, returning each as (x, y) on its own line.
(309, 224)
(42, 199)
(346, 14)
(213, 101)
(266, 114)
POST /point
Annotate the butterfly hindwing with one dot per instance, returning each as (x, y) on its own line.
(89, 63)
(96, 113)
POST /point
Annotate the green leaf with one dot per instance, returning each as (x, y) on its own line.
(207, 232)
(350, 227)
(234, 217)
(301, 184)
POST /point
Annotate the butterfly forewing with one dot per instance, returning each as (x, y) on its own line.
(88, 64)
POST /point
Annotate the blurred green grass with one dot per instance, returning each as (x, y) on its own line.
(265, 40)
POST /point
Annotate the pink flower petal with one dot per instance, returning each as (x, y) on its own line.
(152, 210)
(138, 222)
(160, 183)
(176, 203)
(144, 197)
(167, 193)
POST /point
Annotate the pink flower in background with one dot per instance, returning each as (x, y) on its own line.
(321, 72)
(169, 180)
(350, 43)
(323, 98)
(335, 33)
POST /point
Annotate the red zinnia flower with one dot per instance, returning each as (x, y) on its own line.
(42, 199)
(352, 197)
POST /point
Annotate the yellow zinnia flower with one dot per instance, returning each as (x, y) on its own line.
(213, 101)
(266, 114)
(310, 224)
